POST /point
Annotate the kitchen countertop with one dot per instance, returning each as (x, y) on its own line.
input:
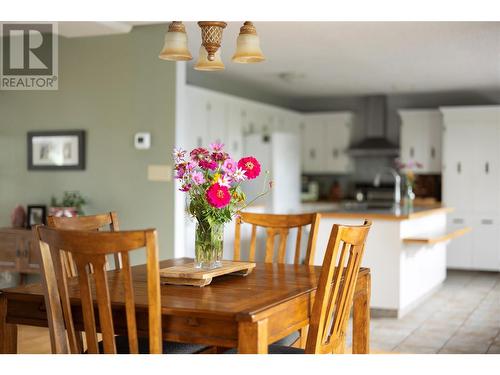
(393, 214)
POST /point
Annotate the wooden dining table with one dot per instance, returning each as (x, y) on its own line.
(246, 313)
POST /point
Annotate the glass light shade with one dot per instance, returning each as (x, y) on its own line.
(175, 47)
(248, 49)
(204, 64)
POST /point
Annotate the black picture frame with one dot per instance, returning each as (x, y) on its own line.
(42, 215)
(52, 136)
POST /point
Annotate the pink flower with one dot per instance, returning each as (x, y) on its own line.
(199, 153)
(185, 187)
(180, 171)
(238, 175)
(190, 166)
(198, 178)
(224, 180)
(216, 146)
(251, 167)
(208, 164)
(229, 166)
(219, 156)
(218, 196)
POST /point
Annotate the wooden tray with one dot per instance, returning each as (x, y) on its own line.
(186, 274)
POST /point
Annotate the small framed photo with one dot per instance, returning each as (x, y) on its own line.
(36, 215)
(56, 150)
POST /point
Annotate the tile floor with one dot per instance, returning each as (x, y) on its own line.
(461, 317)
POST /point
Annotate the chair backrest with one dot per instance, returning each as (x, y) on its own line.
(278, 225)
(89, 249)
(91, 223)
(337, 282)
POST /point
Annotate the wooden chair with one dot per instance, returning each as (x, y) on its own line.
(335, 292)
(278, 225)
(90, 223)
(90, 249)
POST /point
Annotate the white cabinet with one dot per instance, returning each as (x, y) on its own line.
(325, 140)
(471, 184)
(420, 138)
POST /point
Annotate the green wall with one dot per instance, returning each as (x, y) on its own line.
(113, 87)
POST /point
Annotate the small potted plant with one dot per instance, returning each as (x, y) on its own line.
(212, 181)
(71, 205)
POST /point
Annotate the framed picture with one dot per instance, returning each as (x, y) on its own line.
(36, 215)
(56, 150)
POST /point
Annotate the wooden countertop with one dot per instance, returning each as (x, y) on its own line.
(384, 214)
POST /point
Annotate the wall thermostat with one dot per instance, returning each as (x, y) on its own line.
(142, 141)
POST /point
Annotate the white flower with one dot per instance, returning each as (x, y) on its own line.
(179, 154)
(224, 180)
(239, 175)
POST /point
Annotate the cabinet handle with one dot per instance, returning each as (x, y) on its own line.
(199, 141)
(486, 221)
(433, 152)
(458, 221)
(459, 167)
(312, 153)
(412, 152)
(486, 167)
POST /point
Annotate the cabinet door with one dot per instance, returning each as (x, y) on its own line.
(458, 166)
(486, 184)
(215, 110)
(434, 145)
(411, 145)
(234, 131)
(313, 142)
(196, 121)
(459, 250)
(485, 254)
(337, 139)
(9, 251)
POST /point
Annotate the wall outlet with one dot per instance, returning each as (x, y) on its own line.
(161, 173)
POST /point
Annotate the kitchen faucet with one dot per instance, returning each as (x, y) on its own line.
(397, 183)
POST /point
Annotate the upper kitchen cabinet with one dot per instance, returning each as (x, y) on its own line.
(325, 140)
(421, 139)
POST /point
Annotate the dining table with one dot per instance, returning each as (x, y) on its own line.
(244, 312)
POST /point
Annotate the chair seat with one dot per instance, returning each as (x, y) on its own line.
(169, 347)
(288, 340)
(275, 349)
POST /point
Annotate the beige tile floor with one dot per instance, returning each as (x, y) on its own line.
(462, 317)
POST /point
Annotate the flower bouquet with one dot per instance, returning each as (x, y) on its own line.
(212, 181)
(408, 171)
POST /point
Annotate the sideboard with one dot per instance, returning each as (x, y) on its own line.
(17, 253)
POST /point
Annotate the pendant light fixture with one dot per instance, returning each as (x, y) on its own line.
(209, 59)
(175, 47)
(248, 45)
(206, 65)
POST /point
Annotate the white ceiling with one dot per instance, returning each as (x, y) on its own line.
(358, 58)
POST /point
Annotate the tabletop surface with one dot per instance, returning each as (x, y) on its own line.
(228, 297)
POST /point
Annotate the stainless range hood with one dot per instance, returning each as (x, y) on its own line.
(376, 142)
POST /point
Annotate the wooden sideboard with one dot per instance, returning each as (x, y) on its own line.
(17, 253)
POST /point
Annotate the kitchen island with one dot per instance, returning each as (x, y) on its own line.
(405, 250)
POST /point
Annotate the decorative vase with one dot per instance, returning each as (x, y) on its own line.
(208, 245)
(409, 197)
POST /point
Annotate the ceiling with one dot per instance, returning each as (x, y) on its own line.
(356, 58)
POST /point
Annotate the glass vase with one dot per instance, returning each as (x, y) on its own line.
(208, 247)
(409, 197)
